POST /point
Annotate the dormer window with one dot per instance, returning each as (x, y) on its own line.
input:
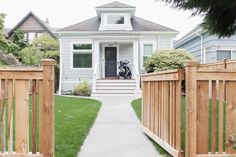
(115, 19)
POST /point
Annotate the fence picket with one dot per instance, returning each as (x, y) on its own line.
(202, 116)
(230, 116)
(10, 115)
(22, 116)
(221, 115)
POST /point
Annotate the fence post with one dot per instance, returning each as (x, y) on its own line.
(191, 108)
(47, 109)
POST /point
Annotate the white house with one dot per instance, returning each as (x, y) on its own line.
(90, 49)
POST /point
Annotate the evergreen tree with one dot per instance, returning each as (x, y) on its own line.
(219, 15)
(5, 44)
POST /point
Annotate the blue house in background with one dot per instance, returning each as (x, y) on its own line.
(207, 48)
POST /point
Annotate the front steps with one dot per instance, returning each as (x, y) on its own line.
(115, 87)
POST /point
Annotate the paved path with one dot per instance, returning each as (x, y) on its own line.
(116, 132)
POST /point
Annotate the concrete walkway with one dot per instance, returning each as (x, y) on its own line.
(117, 132)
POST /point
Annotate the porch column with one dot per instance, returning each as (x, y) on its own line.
(136, 64)
(96, 71)
(96, 54)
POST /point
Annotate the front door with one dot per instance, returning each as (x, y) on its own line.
(110, 61)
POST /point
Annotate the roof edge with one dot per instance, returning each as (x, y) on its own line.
(37, 18)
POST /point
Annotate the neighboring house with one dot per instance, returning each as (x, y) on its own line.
(32, 27)
(91, 49)
(207, 48)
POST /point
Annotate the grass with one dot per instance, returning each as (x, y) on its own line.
(73, 119)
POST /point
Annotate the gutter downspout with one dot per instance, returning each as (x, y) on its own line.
(201, 36)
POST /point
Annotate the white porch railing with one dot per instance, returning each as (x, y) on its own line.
(95, 76)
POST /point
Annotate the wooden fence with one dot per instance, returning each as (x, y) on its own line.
(161, 109)
(25, 92)
(210, 109)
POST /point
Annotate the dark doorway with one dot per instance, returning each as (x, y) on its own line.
(110, 61)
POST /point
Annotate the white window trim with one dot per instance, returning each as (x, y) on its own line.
(154, 47)
(121, 14)
(72, 51)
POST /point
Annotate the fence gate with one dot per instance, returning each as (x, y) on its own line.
(27, 111)
(210, 109)
(161, 109)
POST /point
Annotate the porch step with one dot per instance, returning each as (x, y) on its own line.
(114, 87)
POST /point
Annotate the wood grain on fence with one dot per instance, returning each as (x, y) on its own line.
(161, 109)
(210, 109)
(216, 86)
(18, 88)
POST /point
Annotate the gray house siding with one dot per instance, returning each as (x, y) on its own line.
(193, 46)
(71, 77)
(211, 46)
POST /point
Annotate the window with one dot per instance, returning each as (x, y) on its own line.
(223, 54)
(82, 55)
(25, 36)
(39, 35)
(115, 19)
(147, 51)
(31, 37)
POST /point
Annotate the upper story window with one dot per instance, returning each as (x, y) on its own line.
(115, 19)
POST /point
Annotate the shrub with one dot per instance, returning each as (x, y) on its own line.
(82, 89)
(166, 60)
(31, 55)
(46, 42)
(52, 54)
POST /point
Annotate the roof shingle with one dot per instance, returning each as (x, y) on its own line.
(138, 24)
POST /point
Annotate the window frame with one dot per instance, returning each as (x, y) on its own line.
(221, 51)
(143, 45)
(115, 14)
(82, 51)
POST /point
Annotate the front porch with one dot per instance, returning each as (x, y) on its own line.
(107, 54)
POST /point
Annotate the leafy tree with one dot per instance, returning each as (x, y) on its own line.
(5, 45)
(31, 55)
(46, 42)
(166, 60)
(18, 39)
(219, 15)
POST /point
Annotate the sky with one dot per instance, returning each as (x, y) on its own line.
(62, 13)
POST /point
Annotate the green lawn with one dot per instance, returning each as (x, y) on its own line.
(73, 119)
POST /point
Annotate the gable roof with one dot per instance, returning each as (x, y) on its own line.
(138, 24)
(115, 4)
(44, 25)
